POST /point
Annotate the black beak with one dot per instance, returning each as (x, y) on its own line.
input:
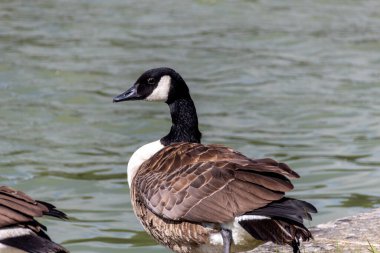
(130, 94)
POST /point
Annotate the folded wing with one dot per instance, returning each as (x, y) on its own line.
(209, 183)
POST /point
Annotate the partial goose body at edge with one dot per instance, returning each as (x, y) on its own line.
(19, 231)
(15, 232)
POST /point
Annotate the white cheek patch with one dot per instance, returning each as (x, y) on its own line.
(161, 92)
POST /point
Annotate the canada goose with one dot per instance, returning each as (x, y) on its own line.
(207, 198)
(19, 231)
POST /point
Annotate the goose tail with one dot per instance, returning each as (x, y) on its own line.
(283, 223)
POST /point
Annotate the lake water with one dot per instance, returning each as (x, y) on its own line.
(298, 81)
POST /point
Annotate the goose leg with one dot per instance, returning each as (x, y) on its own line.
(295, 245)
(227, 240)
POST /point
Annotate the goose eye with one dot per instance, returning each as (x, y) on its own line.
(151, 80)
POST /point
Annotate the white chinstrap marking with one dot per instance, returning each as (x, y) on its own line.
(161, 92)
(141, 155)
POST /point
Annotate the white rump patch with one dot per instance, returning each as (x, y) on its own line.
(251, 217)
(242, 240)
(161, 92)
(141, 155)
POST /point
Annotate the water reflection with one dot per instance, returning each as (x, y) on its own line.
(360, 200)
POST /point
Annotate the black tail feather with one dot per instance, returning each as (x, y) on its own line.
(287, 209)
(277, 231)
(53, 211)
(284, 224)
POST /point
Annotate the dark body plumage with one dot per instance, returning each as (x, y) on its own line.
(17, 213)
(186, 185)
(207, 198)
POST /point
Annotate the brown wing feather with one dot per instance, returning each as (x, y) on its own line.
(209, 183)
(18, 208)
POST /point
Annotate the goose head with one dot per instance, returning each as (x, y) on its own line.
(166, 85)
(159, 84)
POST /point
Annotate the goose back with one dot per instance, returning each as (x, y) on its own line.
(208, 183)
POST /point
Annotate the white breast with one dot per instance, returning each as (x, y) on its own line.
(141, 155)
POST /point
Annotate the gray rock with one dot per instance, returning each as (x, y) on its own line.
(352, 234)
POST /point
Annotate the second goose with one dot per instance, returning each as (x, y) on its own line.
(20, 232)
(196, 198)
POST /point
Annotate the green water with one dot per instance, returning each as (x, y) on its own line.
(298, 81)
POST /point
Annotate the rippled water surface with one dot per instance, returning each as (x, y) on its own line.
(298, 81)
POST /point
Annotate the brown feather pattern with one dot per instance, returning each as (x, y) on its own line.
(19, 209)
(179, 236)
(186, 185)
(209, 183)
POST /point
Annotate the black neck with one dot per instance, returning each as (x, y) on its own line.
(184, 122)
